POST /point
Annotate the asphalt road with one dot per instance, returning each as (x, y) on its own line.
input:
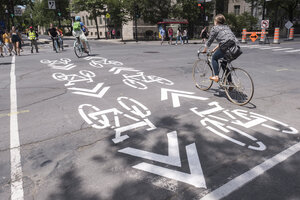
(108, 127)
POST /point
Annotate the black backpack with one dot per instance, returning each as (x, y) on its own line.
(231, 50)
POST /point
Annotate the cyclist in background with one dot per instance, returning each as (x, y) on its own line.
(53, 33)
(78, 31)
(60, 37)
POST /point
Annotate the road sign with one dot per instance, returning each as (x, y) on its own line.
(17, 11)
(265, 24)
(107, 15)
(51, 4)
(289, 25)
(253, 37)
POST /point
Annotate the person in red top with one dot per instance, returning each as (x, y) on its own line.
(170, 34)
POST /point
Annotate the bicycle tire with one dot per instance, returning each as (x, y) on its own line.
(89, 49)
(201, 73)
(240, 89)
(77, 49)
(56, 46)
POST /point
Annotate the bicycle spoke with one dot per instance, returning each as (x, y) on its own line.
(201, 73)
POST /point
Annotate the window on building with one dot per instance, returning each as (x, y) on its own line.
(237, 9)
(100, 20)
(95, 33)
(91, 33)
(87, 20)
(91, 22)
(100, 33)
(83, 19)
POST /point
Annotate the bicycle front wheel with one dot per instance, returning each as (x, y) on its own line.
(78, 49)
(239, 86)
(201, 73)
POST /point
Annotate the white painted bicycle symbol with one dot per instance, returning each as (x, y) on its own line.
(71, 79)
(62, 64)
(224, 125)
(137, 80)
(99, 119)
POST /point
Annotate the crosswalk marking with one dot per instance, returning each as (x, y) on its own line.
(287, 50)
(282, 49)
(293, 51)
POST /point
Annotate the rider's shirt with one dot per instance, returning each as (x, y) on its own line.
(81, 26)
(53, 32)
(221, 33)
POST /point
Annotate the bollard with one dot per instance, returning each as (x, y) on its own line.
(244, 35)
(262, 36)
(291, 36)
(276, 36)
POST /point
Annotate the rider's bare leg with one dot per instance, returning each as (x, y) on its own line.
(84, 45)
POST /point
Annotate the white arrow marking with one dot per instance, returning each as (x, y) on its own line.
(176, 94)
(195, 178)
(119, 69)
(92, 92)
(172, 159)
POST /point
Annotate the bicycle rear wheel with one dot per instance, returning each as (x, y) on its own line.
(239, 86)
(78, 49)
(56, 46)
(201, 73)
(88, 47)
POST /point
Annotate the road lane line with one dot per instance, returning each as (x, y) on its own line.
(263, 48)
(15, 154)
(253, 173)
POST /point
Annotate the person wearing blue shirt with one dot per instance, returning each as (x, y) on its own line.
(162, 34)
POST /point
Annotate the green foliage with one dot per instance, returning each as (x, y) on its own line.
(237, 23)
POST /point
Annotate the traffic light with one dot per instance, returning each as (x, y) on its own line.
(137, 11)
(12, 15)
(59, 13)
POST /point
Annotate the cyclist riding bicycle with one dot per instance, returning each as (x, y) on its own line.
(78, 31)
(53, 33)
(226, 39)
(60, 37)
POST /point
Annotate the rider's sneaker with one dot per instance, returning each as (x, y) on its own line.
(214, 78)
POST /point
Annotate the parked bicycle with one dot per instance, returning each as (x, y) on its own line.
(79, 48)
(236, 82)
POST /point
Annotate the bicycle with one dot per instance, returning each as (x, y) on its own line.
(79, 49)
(61, 42)
(236, 82)
(56, 45)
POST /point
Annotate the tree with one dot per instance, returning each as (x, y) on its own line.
(94, 7)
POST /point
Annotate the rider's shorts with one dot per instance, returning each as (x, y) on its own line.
(79, 34)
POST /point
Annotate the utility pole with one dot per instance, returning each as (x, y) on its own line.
(264, 7)
(12, 14)
(136, 15)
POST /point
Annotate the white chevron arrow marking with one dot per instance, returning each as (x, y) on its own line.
(172, 159)
(119, 69)
(195, 178)
(93, 92)
(176, 94)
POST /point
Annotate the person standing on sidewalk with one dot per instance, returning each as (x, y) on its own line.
(33, 37)
(162, 34)
(178, 36)
(185, 37)
(170, 34)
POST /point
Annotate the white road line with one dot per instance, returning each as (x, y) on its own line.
(282, 49)
(293, 51)
(248, 176)
(263, 48)
(15, 154)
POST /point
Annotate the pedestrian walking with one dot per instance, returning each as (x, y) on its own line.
(1, 45)
(162, 34)
(179, 36)
(7, 42)
(170, 34)
(16, 39)
(33, 37)
(185, 37)
(204, 34)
